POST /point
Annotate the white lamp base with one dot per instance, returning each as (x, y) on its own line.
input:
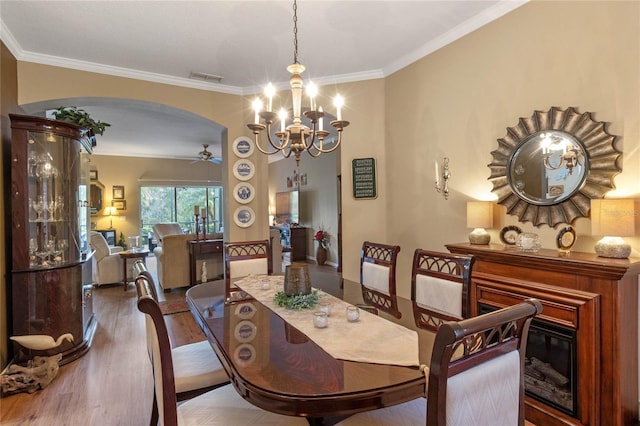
(479, 236)
(613, 247)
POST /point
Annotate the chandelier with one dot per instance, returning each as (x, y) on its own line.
(296, 137)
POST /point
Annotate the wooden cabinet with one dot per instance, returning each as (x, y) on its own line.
(594, 302)
(294, 240)
(202, 248)
(50, 283)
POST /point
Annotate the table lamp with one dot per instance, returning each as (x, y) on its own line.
(110, 211)
(479, 217)
(613, 219)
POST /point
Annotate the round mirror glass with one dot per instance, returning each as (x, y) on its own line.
(547, 167)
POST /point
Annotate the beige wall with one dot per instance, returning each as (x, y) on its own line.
(8, 105)
(459, 100)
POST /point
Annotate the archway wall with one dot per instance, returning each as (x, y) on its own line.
(40, 83)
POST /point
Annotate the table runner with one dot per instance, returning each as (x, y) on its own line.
(370, 339)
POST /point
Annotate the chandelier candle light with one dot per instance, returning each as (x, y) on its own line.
(296, 137)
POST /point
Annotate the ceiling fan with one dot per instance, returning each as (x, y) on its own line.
(206, 155)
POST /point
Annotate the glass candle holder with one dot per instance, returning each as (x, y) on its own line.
(353, 313)
(320, 319)
(325, 306)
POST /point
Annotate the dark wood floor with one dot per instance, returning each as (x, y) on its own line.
(112, 383)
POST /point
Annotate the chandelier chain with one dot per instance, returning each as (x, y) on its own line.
(295, 32)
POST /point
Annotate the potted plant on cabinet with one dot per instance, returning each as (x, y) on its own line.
(75, 115)
(323, 241)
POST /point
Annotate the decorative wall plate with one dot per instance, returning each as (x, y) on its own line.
(566, 238)
(509, 234)
(244, 217)
(242, 147)
(244, 192)
(245, 354)
(245, 331)
(243, 169)
(245, 310)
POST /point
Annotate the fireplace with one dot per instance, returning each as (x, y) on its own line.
(550, 373)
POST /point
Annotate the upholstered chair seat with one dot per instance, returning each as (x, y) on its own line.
(196, 366)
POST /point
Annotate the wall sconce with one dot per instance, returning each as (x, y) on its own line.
(446, 175)
(479, 217)
(559, 152)
(613, 219)
(110, 211)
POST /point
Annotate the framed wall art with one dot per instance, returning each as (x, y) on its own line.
(119, 204)
(93, 175)
(118, 192)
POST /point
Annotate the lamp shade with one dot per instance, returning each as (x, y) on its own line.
(479, 214)
(110, 211)
(614, 218)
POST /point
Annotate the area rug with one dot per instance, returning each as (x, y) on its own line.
(173, 307)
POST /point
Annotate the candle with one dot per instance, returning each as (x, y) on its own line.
(257, 106)
(437, 173)
(321, 124)
(338, 101)
(269, 91)
(196, 210)
(282, 114)
(312, 92)
(352, 313)
(320, 319)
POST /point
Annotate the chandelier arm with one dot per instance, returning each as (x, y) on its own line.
(283, 142)
(260, 148)
(333, 148)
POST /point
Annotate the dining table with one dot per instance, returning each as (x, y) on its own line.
(277, 360)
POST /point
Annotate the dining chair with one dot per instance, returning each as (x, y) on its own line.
(439, 287)
(221, 406)
(245, 258)
(378, 276)
(196, 367)
(476, 375)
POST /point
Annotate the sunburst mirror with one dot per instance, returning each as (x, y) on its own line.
(550, 165)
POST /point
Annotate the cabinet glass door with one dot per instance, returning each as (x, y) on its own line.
(54, 193)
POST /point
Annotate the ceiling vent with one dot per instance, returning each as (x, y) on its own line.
(205, 76)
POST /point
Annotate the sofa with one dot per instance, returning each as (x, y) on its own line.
(172, 256)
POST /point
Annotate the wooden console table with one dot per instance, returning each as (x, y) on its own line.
(595, 298)
(198, 248)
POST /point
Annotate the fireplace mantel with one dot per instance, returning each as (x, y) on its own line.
(597, 297)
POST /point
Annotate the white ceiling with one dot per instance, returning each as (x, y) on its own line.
(247, 43)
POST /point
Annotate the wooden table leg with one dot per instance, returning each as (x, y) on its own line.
(124, 269)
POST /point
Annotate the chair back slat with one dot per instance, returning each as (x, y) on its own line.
(378, 276)
(439, 287)
(476, 374)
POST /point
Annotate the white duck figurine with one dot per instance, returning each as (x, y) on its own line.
(41, 342)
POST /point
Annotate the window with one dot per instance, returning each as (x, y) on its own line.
(162, 204)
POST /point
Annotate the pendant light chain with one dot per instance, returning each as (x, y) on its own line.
(295, 32)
